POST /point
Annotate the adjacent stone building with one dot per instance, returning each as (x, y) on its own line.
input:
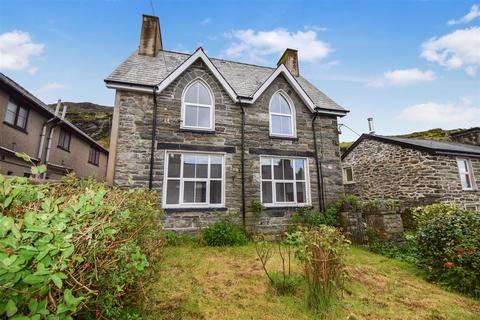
(418, 172)
(226, 134)
(29, 126)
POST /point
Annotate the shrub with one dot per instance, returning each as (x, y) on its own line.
(322, 253)
(310, 217)
(448, 243)
(75, 248)
(404, 250)
(224, 233)
(285, 284)
(282, 281)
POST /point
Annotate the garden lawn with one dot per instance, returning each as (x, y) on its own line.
(229, 283)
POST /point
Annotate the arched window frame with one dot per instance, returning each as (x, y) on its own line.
(212, 107)
(293, 118)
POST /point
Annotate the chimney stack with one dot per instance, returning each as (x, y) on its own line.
(150, 38)
(371, 129)
(290, 60)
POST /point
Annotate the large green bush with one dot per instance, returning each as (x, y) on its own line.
(223, 233)
(449, 246)
(75, 248)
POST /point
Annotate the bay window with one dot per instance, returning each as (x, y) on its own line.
(194, 180)
(284, 181)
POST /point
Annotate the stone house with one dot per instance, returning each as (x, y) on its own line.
(226, 134)
(29, 126)
(468, 136)
(418, 172)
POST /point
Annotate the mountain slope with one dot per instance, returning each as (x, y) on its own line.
(436, 134)
(93, 119)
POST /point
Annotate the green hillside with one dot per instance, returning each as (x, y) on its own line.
(436, 134)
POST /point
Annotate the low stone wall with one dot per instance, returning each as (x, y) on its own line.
(386, 224)
(273, 221)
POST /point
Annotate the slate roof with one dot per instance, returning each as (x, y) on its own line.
(45, 109)
(429, 146)
(244, 78)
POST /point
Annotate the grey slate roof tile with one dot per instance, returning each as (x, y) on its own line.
(244, 78)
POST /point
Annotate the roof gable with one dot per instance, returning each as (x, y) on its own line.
(243, 82)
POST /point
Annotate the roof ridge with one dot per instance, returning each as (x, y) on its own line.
(221, 59)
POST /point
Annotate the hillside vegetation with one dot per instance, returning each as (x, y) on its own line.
(436, 134)
(93, 119)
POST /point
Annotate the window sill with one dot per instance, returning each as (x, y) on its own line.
(194, 130)
(198, 209)
(284, 137)
(64, 149)
(349, 182)
(283, 207)
(93, 164)
(23, 130)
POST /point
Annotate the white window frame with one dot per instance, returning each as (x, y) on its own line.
(344, 171)
(293, 118)
(475, 206)
(274, 203)
(469, 173)
(212, 107)
(188, 205)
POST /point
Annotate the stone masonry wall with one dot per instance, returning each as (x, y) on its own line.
(383, 170)
(134, 140)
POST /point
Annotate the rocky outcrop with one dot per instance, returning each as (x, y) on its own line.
(93, 119)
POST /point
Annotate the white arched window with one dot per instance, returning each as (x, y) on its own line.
(282, 115)
(197, 107)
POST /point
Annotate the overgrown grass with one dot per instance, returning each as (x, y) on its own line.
(198, 282)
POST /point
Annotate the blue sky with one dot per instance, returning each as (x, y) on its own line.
(412, 65)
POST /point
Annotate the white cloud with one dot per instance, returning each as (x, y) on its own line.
(458, 49)
(254, 45)
(205, 21)
(473, 14)
(51, 86)
(439, 113)
(403, 77)
(16, 49)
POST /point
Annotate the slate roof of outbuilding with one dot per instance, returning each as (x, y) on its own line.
(429, 146)
(40, 104)
(244, 78)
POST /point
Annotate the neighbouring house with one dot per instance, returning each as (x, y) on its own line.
(226, 134)
(29, 126)
(468, 136)
(418, 172)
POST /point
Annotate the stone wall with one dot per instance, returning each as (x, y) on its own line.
(383, 170)
(387, 225)
(133, 152)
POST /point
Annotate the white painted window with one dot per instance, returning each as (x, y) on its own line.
(194, 180)
(282, 115)
(466, 174)
(284, 181)
(472, 206)
(348, 175)
(198, 111)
